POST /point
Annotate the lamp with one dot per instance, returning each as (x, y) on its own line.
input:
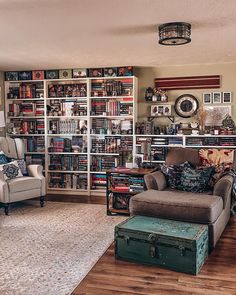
(177, 33)
(2, 119)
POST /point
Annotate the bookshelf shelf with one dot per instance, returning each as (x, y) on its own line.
(79, 98)
(66, 171)
(24, 99)
(66, 117)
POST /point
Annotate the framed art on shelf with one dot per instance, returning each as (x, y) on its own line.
(11, 76)
(216, 114)
(80, 73)
(110, 72)
(98, 72)
(160, 110)
(227, 97)
(65, 74)
(37, 75)
(25, 75)
(216, 97)
(207, 98)
(52, 74)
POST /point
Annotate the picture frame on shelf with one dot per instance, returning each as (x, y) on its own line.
(110, 72)
(95, 73)
(80, 73)
(65, 74)
(25, 75)
(227, 97)
(125, 71)
(37, 75)
(160, 110)
(52, 74)
(216, 97)
(207, 98)
(11, 76)
(216, 114)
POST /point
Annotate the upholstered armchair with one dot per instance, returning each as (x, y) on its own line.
(20, 188)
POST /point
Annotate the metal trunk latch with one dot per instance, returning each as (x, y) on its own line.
(182, 250)
(152, 250)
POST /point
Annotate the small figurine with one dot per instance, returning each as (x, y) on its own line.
(149, 94)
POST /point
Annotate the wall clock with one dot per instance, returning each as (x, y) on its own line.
(186, 105)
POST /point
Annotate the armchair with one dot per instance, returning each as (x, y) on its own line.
(160, 201)
(20, 188)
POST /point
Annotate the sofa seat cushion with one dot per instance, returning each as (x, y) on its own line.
(185, 206)
(20, 184)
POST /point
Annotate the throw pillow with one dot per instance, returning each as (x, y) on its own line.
(10, 170)
(22, 165)
(173, 174)
(3, 158)
(216, 157)
(196, 180)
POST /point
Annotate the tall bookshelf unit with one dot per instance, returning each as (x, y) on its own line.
(75, 127)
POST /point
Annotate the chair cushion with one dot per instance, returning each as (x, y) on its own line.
(178, 156)
(25, 183)
(185, 206)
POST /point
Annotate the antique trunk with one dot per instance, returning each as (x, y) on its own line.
(176, 245)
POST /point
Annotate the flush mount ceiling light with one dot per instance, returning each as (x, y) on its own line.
(176, 33)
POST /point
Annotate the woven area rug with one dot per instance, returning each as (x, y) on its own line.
(48, 251)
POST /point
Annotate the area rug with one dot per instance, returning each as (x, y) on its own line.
(48, 251)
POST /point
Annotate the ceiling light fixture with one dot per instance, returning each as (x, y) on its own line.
(177, 33)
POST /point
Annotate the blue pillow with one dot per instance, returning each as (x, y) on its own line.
(3, 158)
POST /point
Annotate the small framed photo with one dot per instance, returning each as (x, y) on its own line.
(25, 75)
(11, 76)
(160, 110)
(216, 97)
(227, 97)
(96, 72)
(37, 75)
(207, 98)
(65, 74)
(80, 73)
(110, 72)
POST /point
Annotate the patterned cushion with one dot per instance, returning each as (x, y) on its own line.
(215, 157)
(3, 158)
(173, 174)
(196, 180)
(11, 170)
(22, 165)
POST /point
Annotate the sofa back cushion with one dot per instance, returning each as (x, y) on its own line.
(176, 156)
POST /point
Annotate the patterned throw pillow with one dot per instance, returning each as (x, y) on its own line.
(22, 165)
(196, 180)
(3, 158)
(215, 157)
(10, 170)
(173, 174)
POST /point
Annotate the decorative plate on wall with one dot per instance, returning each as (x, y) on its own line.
(186, 105)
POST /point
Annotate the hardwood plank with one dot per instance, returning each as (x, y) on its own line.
(217, 277)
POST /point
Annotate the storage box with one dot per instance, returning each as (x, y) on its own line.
(176, 245)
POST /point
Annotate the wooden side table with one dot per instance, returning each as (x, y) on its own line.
(122, 184)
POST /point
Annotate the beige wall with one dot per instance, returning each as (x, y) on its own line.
(146, 76)
(2, 90)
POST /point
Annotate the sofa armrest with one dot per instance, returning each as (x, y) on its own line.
(37, 172)
(223, 188)
(4, 192)
(155, 180)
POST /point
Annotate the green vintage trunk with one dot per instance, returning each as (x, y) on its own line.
(176, 245)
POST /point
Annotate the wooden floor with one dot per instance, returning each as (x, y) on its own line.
(217, 277)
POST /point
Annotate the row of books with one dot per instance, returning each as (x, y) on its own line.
(211, 141)
(103, 163)
(25, 90)
(111, 126)
(26, 126)
(68, 181)
(98, 181)
(68, 163)
(34, 144)
(67, 90)
(126, 183)
(112, 88)
(35, 159)
(75, 144)
(69, 126)
(111, 144)
(66, 108)
(159, 141)
(26, 109)
(122, 107)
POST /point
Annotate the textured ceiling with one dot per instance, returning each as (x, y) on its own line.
(43, 34)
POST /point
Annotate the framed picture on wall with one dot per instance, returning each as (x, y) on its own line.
(216, 114)
(160, 110)
(207, 98)
(216, 97)
(227, 97)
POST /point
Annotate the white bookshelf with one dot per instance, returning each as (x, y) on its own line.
(85, 101)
